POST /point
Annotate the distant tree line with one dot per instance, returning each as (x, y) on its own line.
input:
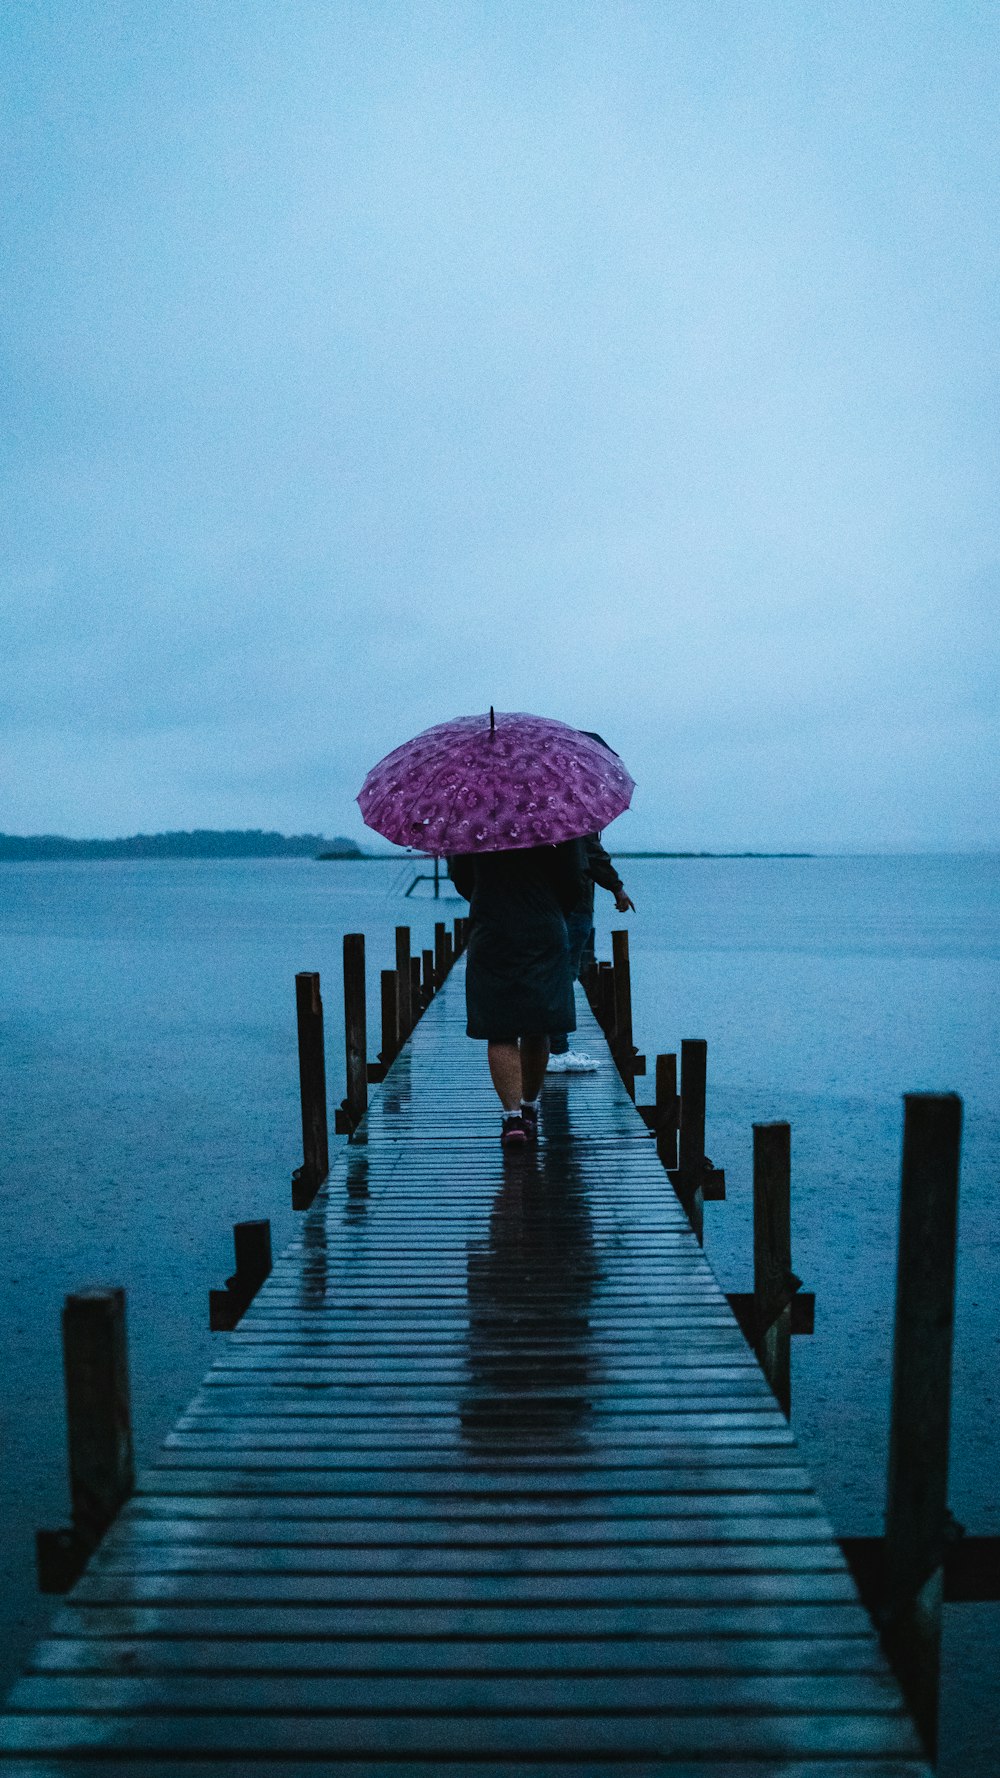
(202, 843)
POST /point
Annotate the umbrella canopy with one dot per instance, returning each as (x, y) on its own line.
(494, 784)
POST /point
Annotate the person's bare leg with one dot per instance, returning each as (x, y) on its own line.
(505, 1073)
(534, 1059)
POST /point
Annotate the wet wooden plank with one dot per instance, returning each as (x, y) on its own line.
(449, 1532)
(518, 1594)
(606, 1766)
(626, 1514)
(354, 1693)
(648, 1562)
(324, 1623)
(424, 1655)
(662, 1735)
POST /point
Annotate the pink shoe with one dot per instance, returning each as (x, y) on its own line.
(514, 1133)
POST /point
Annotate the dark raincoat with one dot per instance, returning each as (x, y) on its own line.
(519, 981)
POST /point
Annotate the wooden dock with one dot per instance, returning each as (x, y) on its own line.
(487, 1481)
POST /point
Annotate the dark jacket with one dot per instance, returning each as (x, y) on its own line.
(519, 980)
(599, 869)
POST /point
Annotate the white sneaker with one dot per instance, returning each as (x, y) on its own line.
(578, 1062)
(557, 1064)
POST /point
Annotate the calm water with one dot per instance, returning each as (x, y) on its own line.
(147, 1045)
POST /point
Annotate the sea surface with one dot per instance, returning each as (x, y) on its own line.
(148, 1062)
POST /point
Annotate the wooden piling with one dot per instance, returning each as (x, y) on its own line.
(606, 1000)
(773, 1284)
(427, 984)
(99, 1432)
(98, 1410)
(406, 1013)
(355, 1027)
(449, 951)
(440, 967)
(416, 997)
(389, 981)
(689, 1178)
(312, 1088)
(624, 1047)
(666, 1107)
(916, 1521)
(252, 1243)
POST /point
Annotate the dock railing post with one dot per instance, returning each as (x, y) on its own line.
(916, 1520)
(606, 999)
(98, 1410)
(772, 1256)
(406, 1014)
(624, 1047)
(666, 1105)
(99, 1432)
(440, 965)
(427, 985)
(312, 1087)
(252, 1244)
(355, 1027)
(689, 1178)
(416, 999)
(390, 1018)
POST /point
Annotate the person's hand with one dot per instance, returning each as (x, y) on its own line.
(624, 902)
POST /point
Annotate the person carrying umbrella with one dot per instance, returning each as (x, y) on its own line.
(519, 980)
(598, 869)
(507, 801)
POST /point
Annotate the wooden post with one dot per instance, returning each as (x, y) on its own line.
(252, 1242)
(606, 1000)
(458, 935)
(449, 951)
(252, 1245)
(99, 1419)
(691, 1159)
(772, 1256)
(624, 1047)
(390, 1018)
(312, 1086)
(440, 967)
(427, 986)
(666, 1110)
(916, 1517)
(406, 1014)
(416, 999)
(355, 1027)
(99, 1432)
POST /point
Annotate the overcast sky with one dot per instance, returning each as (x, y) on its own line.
(635, 364)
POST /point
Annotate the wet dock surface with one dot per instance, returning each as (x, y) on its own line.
(486, 1481)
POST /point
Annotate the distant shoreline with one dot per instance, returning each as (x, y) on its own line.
(199, 843)
(250, 843)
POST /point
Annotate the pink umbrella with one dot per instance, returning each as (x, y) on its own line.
(494, 784)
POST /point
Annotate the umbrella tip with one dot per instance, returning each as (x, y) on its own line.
(493, 722)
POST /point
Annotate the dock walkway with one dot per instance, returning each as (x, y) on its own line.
(486, 1482)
